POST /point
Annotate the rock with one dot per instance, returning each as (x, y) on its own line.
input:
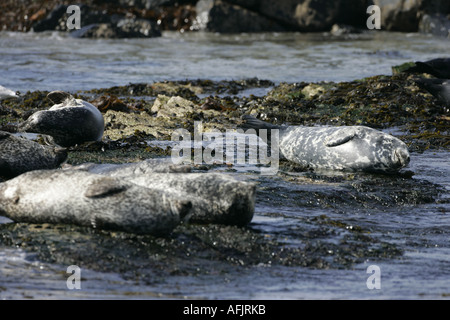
(308, 15)
(229, 18)
(435, 24)
(19, 155)
(172, 107)
(400, 15)
(98, 24)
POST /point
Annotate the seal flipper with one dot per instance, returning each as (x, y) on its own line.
(58, 97)
(251, 122)
(103, 187)
(338, 138)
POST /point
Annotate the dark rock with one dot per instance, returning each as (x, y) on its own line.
(52, 20)
(233, 16)
(436, 24)
(229, 18)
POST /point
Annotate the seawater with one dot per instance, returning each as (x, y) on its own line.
(50, 61)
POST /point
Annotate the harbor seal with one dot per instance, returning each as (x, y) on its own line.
(88, 199)
(70, 121)
(134, 168)
(345, 148)
(440, 67)
(215, 197)
(19, 155)
(439, 88)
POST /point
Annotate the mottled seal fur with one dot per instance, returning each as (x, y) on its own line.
(345, 148)
(70, 121)
(439, 88)
(19, 155)
(87, 199)
(134, 168)
(215, 197)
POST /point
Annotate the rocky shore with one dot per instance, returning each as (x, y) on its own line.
(138, 116)
(148, 18)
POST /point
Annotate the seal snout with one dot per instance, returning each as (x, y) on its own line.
(401, 157)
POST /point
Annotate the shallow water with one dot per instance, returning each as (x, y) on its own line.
(52, 61)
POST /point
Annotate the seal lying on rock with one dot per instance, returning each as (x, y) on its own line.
(87, 199)
(135, 168)
(216, 198)
(439, 88)
(19, 155)
(440, 67)
(347, 148)
(70, 121)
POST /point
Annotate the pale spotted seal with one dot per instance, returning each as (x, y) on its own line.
(70, 121)
(19, 155)
(88, 199)
(347, 148)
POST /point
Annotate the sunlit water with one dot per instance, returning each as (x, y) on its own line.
(50, 61)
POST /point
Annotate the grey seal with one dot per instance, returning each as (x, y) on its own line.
(345, 148)
(439, 88)
(88, 199)
(215, 197)
(70, 121)
(439, 67)
(19, 155)
(134, 168)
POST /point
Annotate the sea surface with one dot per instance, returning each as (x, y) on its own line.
(51, 61)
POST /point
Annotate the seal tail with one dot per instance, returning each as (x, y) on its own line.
(251, 122)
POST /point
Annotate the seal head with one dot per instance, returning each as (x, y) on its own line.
(70, 121)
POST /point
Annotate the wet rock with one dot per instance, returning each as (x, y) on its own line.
(19, 155)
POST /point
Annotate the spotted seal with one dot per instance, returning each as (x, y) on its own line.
(215, 197)
(88, 199)
(345, 148)
(69, 121)
(19, 155)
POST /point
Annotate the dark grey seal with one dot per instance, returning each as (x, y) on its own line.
(346, 148)
(19, 155)
(87, 199)
(440, 67)
(70, 121)
(439, 88)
